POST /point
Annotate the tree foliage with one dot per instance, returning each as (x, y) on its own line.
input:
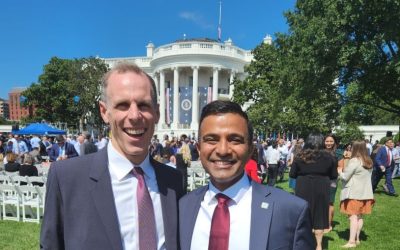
(355, 41)
(62, 80)
(294, 84)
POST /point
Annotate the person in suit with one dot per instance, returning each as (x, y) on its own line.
(62, 150)
(88, 146)
(233, 212)
(97, 201)
(384, 165)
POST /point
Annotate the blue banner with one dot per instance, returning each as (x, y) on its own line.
(185, 107)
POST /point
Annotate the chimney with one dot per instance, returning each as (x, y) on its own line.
(268, 39)
(150, 49)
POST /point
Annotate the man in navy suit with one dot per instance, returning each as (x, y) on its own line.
(96, 201)
(62, 150)
(233, 212)
(384, 165)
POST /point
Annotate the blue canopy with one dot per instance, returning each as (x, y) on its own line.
(39, 129)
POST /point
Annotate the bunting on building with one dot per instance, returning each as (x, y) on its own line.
(185, 107)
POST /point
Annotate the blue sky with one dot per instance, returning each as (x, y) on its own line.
(33, 31)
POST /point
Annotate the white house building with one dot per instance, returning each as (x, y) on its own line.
(188, 74)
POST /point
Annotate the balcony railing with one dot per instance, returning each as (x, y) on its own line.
(201, 47)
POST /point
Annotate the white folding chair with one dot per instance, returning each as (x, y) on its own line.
(36, 181)
(18, 180)
(5, 179)
(42, 196)
(10, 202)
(30, 201)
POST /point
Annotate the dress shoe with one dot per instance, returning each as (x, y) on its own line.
(393, 194)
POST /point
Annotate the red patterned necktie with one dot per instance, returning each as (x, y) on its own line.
(147, 223)
(220, 223)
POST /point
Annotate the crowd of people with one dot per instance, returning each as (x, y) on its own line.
(315, 167)
(20, 153)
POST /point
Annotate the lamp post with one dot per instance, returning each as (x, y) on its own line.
(76, 101)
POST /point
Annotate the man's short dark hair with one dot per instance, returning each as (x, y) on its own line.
(225, 107)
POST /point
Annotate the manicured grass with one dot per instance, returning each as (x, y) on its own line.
(18, 235)
(381, 228)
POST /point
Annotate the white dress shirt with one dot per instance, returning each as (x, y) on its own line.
(239, 211)
(273, 156)
(124, 185)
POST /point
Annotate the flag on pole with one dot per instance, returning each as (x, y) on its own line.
(219, 21)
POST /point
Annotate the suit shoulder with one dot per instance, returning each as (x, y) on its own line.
(76, 165)
(281, 196)
(189, 197)
(166, 170)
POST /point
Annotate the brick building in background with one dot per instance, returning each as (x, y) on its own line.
(16, 109)
(4, 109)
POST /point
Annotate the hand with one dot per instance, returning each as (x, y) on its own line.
(382, 168)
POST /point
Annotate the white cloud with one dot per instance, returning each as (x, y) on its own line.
(196, 18)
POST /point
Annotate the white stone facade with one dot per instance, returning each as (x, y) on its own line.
(196, 68)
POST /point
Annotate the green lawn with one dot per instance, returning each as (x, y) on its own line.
(381, 228)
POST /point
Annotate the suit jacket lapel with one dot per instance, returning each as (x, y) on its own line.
(192, 207)
(103, 198)
(261, 216)
(168, 204)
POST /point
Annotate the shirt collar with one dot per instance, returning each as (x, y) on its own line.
(235, 192)
(121, 166)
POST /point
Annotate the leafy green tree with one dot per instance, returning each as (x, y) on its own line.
(281, 102)
(62, 80)
(355, 41)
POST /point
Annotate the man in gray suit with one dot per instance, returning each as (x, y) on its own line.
(96, 201)
(233, 212)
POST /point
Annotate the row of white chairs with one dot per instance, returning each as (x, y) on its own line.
(24, 202)
(15, 179)
(197, 177)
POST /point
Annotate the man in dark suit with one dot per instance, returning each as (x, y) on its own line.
(88, 146)
(233, 212)
(119, 197)
(384, 165)
(62, 150)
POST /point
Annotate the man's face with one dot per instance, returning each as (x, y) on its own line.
(389, 144)
(80, 139)
(131, 114)
(281, 142)
(224, 148)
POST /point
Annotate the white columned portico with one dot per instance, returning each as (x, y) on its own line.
(155, 78)
(195, 99)
(162, 100)
(175, 118)
(231, 87)
(215, 83)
